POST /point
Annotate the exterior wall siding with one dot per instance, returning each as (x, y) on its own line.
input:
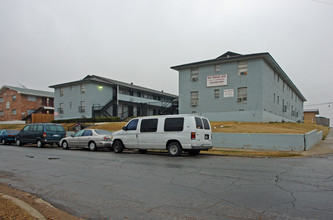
(264, 88)
(93, 95)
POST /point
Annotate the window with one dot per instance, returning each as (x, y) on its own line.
(26, 128)
(194, 74)
(70, 105)
(278, 100)
(242, 68)
(1, 99)
(14, 112)
(83, 88)
(198, 123)
(216, 93)
(206, 124)
(217, 68)
(1, 113)
(61, 108)
(14, 97)
(87, 133)
(174, 124)
(149, 125)
(61, 92)
(32, 98)
(54, 128)
(82, 107)
(194, 98)
(274, 97)
(242, 94)
(132, 125)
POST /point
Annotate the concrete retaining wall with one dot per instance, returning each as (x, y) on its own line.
(283, 142)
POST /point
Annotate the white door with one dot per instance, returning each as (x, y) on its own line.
(130, 134)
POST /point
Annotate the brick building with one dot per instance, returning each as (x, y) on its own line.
(17, 103)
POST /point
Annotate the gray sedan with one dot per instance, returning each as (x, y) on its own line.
(88, 138)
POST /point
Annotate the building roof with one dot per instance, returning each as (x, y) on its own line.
(316, 111)
(99, 79)
(232, 57)
(26, 91)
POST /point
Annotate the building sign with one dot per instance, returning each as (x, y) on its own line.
(228, 93)
(217, 80)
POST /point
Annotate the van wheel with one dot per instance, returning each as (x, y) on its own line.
(65, 145)
(142, 151)
(18, 142)
(193, 152)
(118, 147)
(39, 144)
(174, 149)
(92, 146)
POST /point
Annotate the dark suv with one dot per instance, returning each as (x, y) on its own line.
(40, 134)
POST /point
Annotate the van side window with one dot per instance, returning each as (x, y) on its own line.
(206, 124)
(132, 125)
(198, 123)
(39, 127)
(174, 124)
(149, 125)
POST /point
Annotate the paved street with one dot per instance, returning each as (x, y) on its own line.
(100, 185)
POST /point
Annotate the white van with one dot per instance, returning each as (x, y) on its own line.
(175, 133)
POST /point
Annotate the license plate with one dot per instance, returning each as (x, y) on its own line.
(55, 135)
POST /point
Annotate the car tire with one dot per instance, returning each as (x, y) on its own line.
(92, 146)
(118, 146)
(39, 144)
(174, 149)
(193, 152)
(64, 145)
(18, 142)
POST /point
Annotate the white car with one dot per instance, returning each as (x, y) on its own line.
(88, 138)
(174, 133)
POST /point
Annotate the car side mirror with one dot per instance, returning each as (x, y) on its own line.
(125, 128)
(72, 135)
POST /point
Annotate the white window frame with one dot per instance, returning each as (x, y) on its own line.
(194, 74)
(194, 98)
(14, 112)
(242, 68)
(242, 94)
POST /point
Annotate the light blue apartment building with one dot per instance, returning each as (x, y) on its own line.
(235, 87)
(96, 96)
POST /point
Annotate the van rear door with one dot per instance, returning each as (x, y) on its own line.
(203, 132)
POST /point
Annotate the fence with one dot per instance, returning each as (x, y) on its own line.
(41, 118)
(281, 142)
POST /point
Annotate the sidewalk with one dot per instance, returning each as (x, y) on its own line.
(323, 147)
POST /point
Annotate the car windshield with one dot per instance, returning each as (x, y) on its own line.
(101, 132)
(12, 131)
(54, 128)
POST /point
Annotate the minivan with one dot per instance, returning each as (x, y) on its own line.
(174, 133)
(40, 134)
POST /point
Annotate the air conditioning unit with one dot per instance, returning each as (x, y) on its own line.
(195, 103)
(194, 79)
(242, 99)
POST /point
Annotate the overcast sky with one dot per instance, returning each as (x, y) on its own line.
(45, 42)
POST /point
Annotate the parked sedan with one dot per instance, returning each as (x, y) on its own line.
(8, 136)
(88, 138)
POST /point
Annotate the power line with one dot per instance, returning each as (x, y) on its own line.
(325, 103)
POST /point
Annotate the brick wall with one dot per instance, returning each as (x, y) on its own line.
(21, 105)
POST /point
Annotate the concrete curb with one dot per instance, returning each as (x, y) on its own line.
(25, 206)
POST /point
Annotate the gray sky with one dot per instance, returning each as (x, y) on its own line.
(44, 42)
